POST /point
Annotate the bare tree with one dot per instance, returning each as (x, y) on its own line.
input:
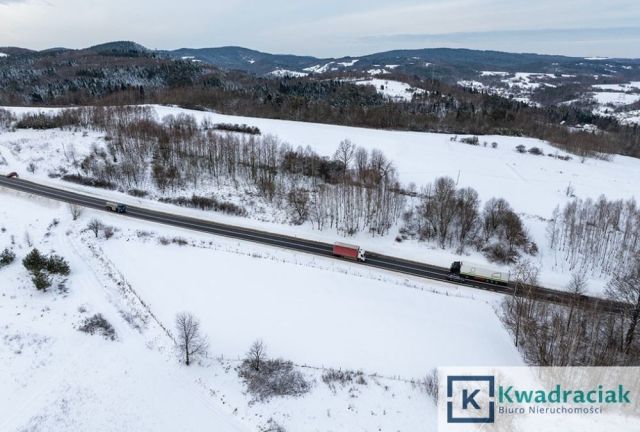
(190, 341)
(625, 287)
(27, 239)
(361, 160)
(344, 154)
(577, 287)
(257, 354)
(468, 215)
(439, 208)
(94, 226)
(298, 200)
(524, 276)
(75, 211)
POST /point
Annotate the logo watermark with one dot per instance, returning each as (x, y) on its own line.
(523, 398)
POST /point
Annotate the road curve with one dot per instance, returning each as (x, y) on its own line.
(318, 248)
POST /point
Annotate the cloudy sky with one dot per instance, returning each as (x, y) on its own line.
(328, 28)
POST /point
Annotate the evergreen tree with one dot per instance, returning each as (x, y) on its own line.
(41, 280)
(35, 261)
(6, 257)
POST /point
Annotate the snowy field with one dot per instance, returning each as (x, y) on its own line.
(55, 378)
(615, 98)
(314, 311)
(630, 86)
(394, 90)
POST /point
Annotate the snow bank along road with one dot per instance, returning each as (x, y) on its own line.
(373, 260)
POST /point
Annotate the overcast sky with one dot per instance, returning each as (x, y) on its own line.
(330, 28)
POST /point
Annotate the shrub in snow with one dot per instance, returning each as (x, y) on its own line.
(42, 267)
(536, 151)
(98, 324)
(273, 378)
(205, 203)
(521, 148)
(108, 232)
(89, 181)
(331, 377)
(94, 226)
(6, 118)
(41, 280)
(298, 200)
(499, 252)
(430, 385)
(272, 426)
(6, 257)
(57, 265)
(35, 261)
(137, 193)
(474, 140)
(531, 249)
(252, 130)
(164, 241)
(75, 211)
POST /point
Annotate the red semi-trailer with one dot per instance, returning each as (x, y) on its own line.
(348, 251)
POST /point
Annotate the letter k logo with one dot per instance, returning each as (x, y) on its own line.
(469, 399)
(473, 401)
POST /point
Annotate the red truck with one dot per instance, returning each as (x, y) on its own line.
(348, 251)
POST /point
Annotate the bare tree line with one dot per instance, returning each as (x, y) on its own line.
(596, 236)
(452, 217)
(578, 333)
(355, 190)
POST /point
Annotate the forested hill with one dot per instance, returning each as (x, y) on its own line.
(127, 73)
(443, 63)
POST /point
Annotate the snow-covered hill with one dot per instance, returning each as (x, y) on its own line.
(534, 185)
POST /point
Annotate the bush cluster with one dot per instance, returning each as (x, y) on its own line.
(205, 203)
(274, 378)
(98, 324)
(89, 181)
(331, 377)
(6, 257)
(252, 130)
(42, 267)
(474, 140)
(453, 217)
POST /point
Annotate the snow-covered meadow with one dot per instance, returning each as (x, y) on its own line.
(393, 90)
(314, 311)
(533, 185)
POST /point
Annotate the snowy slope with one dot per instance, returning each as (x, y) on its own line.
(534, 185)
(314, 311)
(54, 377)
(393, 90)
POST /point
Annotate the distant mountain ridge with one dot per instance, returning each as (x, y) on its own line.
(462, 62)
(440, 63)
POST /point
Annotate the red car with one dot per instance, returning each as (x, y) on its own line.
(12, 174)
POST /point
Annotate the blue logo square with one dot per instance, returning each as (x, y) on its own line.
(468, 401)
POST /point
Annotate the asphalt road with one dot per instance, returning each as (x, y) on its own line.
(318, 248)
